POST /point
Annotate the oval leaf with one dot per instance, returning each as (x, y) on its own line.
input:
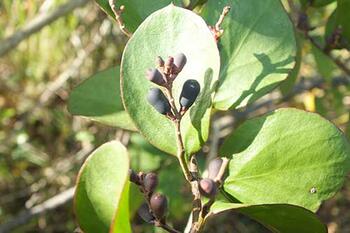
(98, 98)
(287, 156)
(258, 49)
(101, 196)
(168, 32)
(279, 218)
(135, 11)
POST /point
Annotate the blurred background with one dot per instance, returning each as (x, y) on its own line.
(47, 47)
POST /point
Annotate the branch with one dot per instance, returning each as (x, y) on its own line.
(37, 24)
(217, 30)
(118, 16)
(339, 63)
(27, 215)
(303, 26)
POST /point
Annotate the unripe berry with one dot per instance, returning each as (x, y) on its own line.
(214, 167)
(155, 76)
(207, 187)
(159, 205)
(180, 61)
(145, 214)
(189, 93)
(150, 182)
(158, 100)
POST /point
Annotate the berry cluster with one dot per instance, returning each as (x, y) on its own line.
(156, 206)
(164, 76)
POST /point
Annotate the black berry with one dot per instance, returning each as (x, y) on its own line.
(189, 93)
(207, 187)
(180, 61)
(158, 100)
(214, 167)
(159, 205)
(150, 182)
(155, 76)
(145, 214)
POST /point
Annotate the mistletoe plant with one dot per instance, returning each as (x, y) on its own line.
(175, 71)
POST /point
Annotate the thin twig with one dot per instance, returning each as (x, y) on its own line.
(339, 63)
(37, 24)
(219, 176)
(217, 30)
(180, 145)
(305, 30)
(118, 17)
(26, 215)
(224, 12)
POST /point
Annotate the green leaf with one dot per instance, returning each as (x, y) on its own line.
(135, 10)
(279, 218)
(343, 17)
(101, 196)
(287, 156)
(316, 3)
(169, 31)
(258, 49)
(325, 65)
(98, 98)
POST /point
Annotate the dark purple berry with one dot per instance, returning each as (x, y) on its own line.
(134, 177)
(207, 187)
(180, 61)
(150, 182)
(159, 205)
(214, 167)
(145, 213)
(158, 100)
(189, 93)
(155, 76)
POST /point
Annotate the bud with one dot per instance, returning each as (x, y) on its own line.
(180, 61)
(158, 100)
(207, 187)
(134, 177)
(155, 76)
(168, 67)
(159, 205)
(150, 182)
(214, 167)
(189, 93)
(145, 214)
(160, 62)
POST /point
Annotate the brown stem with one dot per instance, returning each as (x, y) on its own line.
(117, 14)
(180, 146)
